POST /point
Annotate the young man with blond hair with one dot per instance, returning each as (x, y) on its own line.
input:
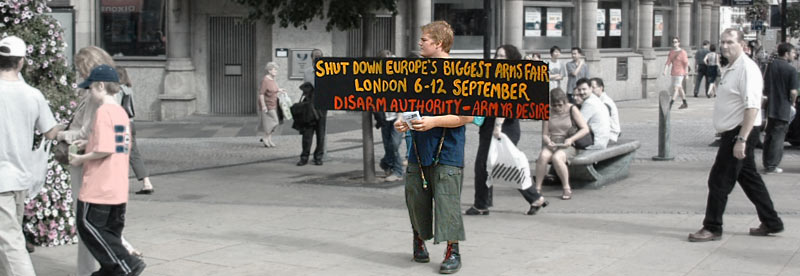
(435, 167)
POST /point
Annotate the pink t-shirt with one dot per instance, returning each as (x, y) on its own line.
(680, 61)
(105, 180)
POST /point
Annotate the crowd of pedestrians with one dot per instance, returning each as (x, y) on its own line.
(102, 130)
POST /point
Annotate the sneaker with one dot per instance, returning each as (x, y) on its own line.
(773, 170)
(393, 178)
(704, 235)
(683, 106)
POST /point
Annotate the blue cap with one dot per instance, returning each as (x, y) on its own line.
(102, 73)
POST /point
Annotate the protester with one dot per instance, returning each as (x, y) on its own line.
(679, 61)
(24, 110)
(392, 162)
(736, 112)
(576, 69)
(557, 143)
(492, 127)
(598, 88)
(780, 81)
(104, 192)
(534, 57)
(319, 126)
(556, 68)
(712, 61)
(701, 66)
(436, 172)
(595, 113)
(125, 99)
(268, 104)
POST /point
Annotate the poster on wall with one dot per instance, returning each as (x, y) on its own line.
(615, 22)
(601, 22)
(554, 22)
(658, 25)
(533, 21)
(299, 60)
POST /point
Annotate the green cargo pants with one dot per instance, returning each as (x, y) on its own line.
(444, 188)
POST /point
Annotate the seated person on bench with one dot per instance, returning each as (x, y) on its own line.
(556, 145)
(594, 112)
(599, 90)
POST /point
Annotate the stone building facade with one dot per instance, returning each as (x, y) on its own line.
(199, 57)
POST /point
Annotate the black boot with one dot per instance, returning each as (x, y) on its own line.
(420, 252)
(452, 260)
(303, 161)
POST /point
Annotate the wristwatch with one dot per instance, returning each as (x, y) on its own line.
(739, 138)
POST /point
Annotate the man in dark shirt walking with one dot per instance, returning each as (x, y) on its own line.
(780, 87)
(699, 58)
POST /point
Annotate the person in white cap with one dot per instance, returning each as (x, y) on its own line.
(23, 109)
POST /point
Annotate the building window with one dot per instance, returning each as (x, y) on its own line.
(466, 18)
(662, 23)
(610, 25)
(133, 27)
(546, 27)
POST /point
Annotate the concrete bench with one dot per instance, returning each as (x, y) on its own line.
(595, 168)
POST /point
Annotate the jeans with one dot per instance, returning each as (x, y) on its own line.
(136, 161)
(391, 146)
(773, 143)
(100, 228)
(308, 135)
(725, 172)
(701, 72)
(444, 188)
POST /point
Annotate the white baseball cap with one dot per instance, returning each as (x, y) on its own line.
(12, 46)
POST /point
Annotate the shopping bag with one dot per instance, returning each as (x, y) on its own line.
(285, 103)
(37, 167)
(507, 165)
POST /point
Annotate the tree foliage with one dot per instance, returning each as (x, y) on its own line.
(793, 18)
(758, 11)
(341, 14)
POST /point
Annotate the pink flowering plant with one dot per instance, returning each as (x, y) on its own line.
(49, 219)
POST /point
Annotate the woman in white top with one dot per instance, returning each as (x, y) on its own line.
(712, 69)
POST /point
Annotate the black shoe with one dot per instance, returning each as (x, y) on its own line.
(762, 230)
(472, 211)
(137, 269)
(534, 209)
(420, 252)
(452, 260)
(145, 192)
(302, 162)
(317, 162)
(30, 247)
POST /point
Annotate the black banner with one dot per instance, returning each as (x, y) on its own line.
(472, 87)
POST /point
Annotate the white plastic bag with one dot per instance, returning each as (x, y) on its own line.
(37, 167)
(507, 165)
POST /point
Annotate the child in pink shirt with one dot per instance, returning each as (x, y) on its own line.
(104, 194)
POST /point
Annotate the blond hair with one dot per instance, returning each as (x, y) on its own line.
(123, 76)
(89, 57)
(440, 32)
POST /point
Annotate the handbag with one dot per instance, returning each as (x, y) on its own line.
(38, 167)
(304, 113)
(585, 141)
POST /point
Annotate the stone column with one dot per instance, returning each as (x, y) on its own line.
(715, 23)
(422, 15)
(649, 67)
(179, 98)
(705, 33)
(685, 23)
(589, 36)
(512, 23)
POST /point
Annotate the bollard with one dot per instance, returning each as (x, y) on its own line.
(663, 127)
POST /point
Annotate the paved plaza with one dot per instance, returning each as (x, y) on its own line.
(225, 205)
